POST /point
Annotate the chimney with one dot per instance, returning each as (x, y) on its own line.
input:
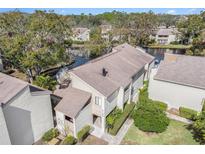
(104, 72)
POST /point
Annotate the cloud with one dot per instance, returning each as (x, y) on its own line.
(171, 12)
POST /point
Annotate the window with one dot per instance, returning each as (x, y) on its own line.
(97, 100)
(69, 119)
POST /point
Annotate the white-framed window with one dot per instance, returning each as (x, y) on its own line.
(98, 100)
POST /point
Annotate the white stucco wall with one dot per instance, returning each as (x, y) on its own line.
(83, 118)
(4, 135)
(175, 95)
(28, 117)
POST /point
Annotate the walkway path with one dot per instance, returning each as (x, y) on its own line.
(178, 118)
(115, 140)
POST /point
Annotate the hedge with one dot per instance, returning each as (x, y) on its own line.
(187, 113)
(147, 117)
(69, 140)
(50, 134)
(83, 133)
(161, 105)
(119, 122)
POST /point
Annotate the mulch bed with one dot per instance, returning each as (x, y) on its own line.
(173, 111)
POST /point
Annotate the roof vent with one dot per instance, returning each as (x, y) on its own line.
(104, 72)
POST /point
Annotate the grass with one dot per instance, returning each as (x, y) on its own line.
(170, 46)
(176, 134)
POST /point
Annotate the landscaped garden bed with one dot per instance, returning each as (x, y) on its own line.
(176, 133)
(116, 118)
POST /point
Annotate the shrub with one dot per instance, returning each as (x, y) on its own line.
(69, 140)
(50, 134)
(147, 117)
(46, 82)
(83, 133)
(111, 118)
(161, 105)
(198, 128)
(187, 113)
(121, 119)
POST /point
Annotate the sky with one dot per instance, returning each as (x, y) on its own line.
(77, 11)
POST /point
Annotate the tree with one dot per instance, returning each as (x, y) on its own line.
(198, 128)
(32, 43)
(142, 25)
(45, 82)
(192, 31)
(97, 45)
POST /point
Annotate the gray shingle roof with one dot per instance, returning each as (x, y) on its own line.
(124, 62)
(72, 102)
(181, 69)
(10, 87)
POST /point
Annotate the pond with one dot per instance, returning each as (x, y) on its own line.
(78, 60)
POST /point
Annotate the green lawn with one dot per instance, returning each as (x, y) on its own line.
(175, 134)
(170, 46)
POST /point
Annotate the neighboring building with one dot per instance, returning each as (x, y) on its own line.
(179, 81)
(81, 34)
(105, 29)
(25, 111)
(165, 35)
(101, 85)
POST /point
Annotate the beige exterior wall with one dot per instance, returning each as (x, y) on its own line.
(28, 117)
(175, 95)
(80, 84)
(168, 39)
(4, 135)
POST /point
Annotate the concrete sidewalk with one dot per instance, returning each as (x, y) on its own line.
(178, 118)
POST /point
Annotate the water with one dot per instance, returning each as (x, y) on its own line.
(62, 72)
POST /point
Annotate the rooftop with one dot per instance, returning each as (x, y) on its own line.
(72, 101)
(181, 69)
(121, 64)
(10, 87)
(166, 31)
